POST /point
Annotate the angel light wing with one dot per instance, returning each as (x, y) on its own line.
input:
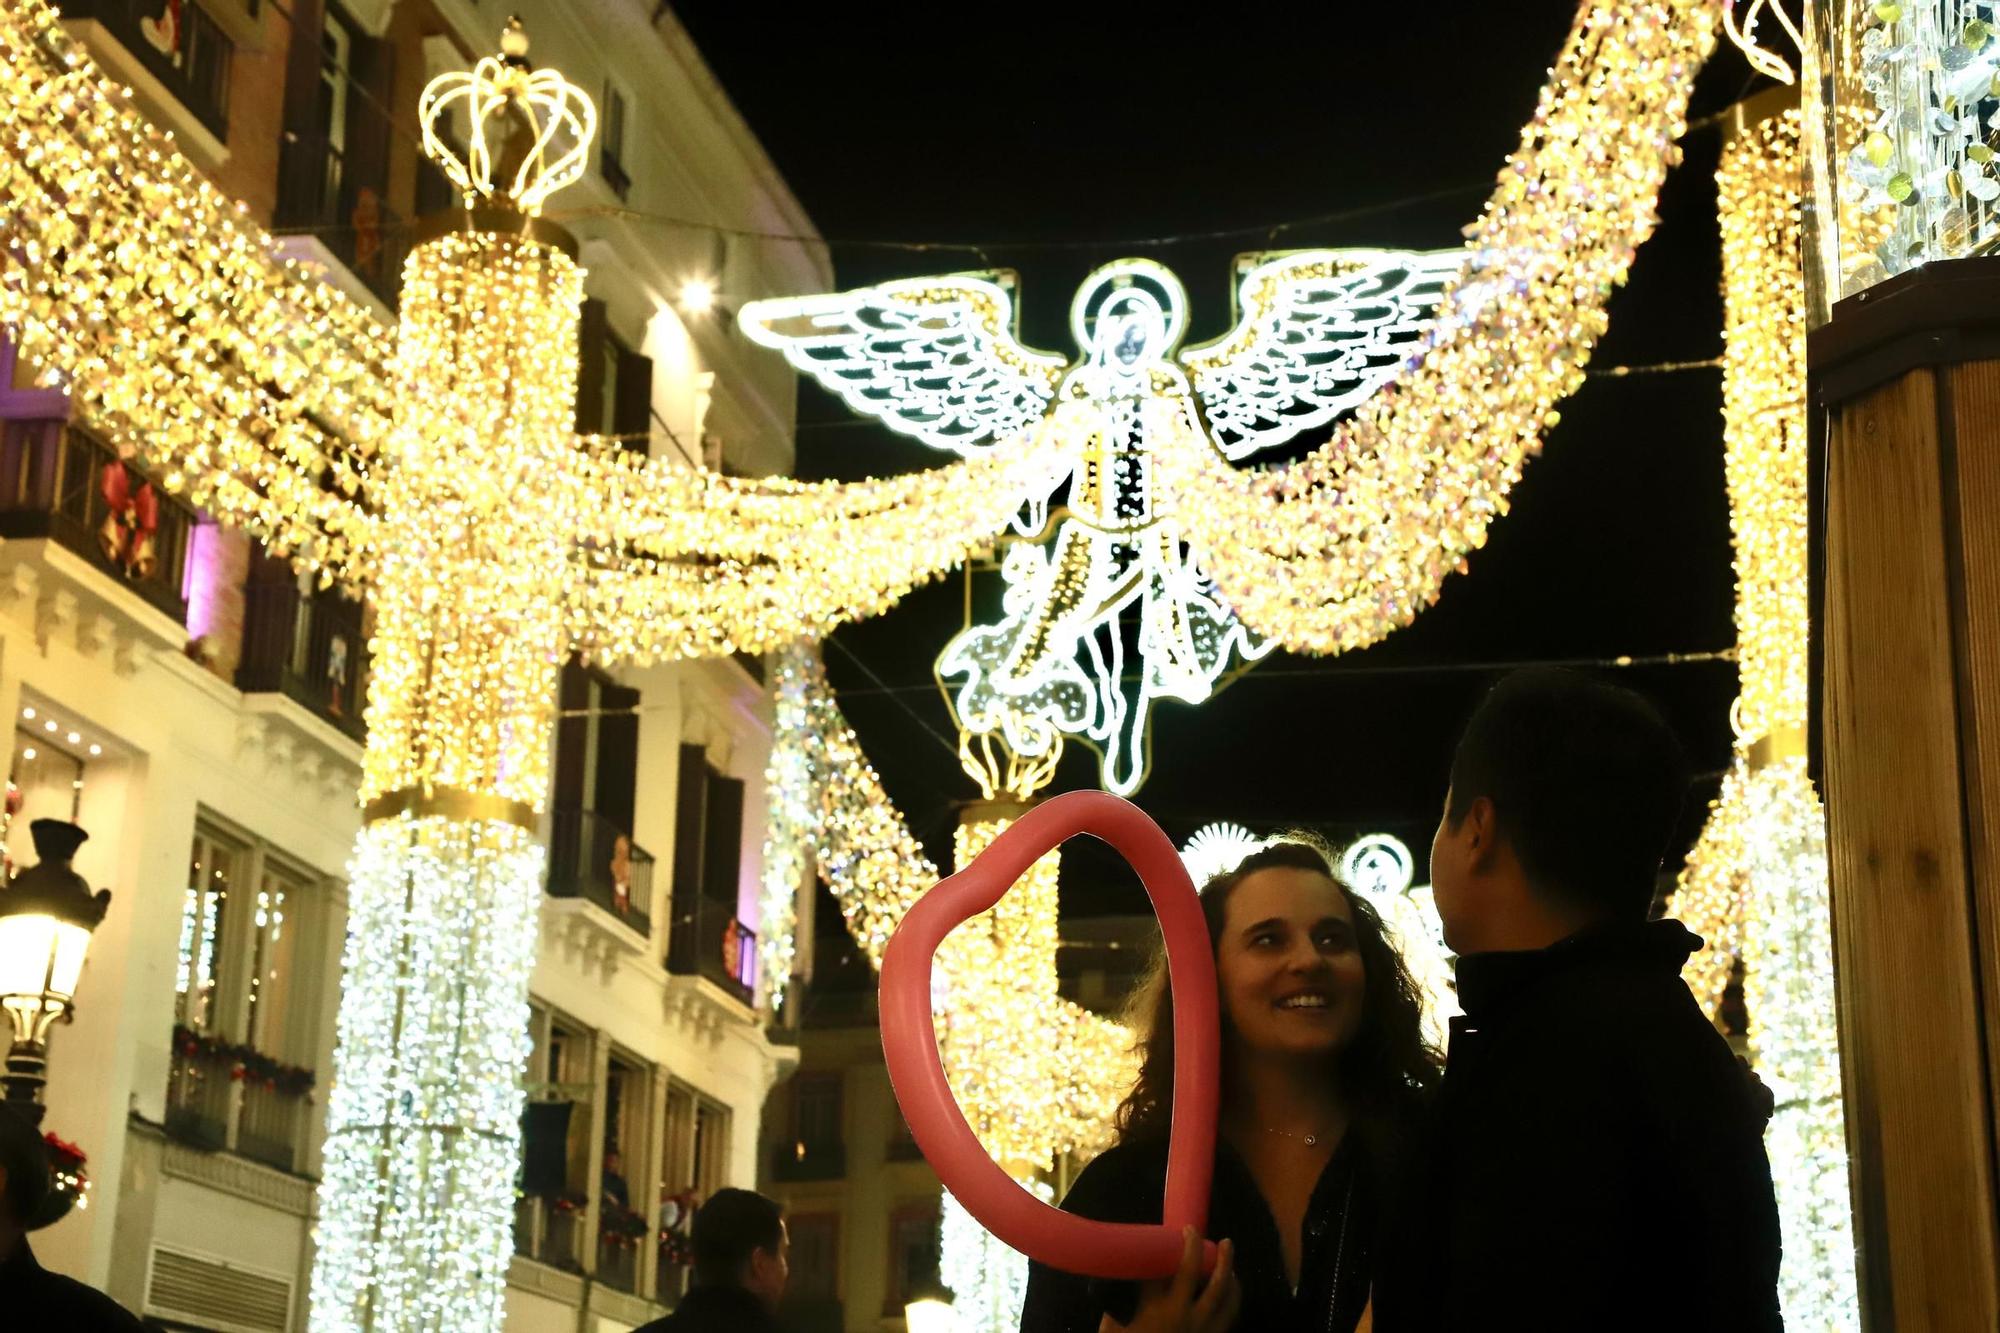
(1317, 332)
(931, 357)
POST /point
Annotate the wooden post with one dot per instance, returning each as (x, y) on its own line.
(1906, 721)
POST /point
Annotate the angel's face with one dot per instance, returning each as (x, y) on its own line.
(1131, 331)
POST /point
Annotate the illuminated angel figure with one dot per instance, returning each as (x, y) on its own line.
(1097, 568)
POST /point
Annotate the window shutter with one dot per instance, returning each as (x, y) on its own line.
(722, 839)
(632, 414)
(591, 336)
(690, 805)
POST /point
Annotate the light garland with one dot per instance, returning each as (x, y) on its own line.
(988, 1279)
(423, 1117)
(1756, 883)
(1037, 1075)
(1350, 543)
(246, 384)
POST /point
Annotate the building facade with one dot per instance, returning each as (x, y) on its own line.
(197, 709)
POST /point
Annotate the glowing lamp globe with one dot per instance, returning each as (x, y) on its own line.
(929, 1311)
(46, 916)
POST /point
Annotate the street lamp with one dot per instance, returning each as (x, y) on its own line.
(929, 1310)
(46, 915)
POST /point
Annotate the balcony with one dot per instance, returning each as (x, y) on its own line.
(708, 941)
(226, 1099)
(793, 1163)
(550, 1230)
(59, 481)
(320, 196)
(592, 858)
(306, 646)
(191, 64)
(622, 1237)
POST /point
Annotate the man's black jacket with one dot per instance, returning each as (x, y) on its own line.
(716, 1310)
(1597, 1157)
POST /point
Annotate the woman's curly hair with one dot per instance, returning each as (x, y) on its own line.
(1383, 1073)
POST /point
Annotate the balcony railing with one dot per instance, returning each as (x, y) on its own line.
(802, 1161)
(307, 647)
(270, 1124)
(213, 1102)
(191, 62)
(319, 196)
(708, 941)
(59, 481)
(550, 1230)
(623, 1237)
(592, 858)
(200, 1099)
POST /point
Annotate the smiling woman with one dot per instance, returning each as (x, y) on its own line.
(1324, 1067)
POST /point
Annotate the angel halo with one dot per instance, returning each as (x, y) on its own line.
(1096, 569)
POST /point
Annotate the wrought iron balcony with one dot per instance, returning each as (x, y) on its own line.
(180, 45)
(307, 646)
(708, 941)
(592, 858)
(59, 481)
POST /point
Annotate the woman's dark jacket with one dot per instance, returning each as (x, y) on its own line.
(1126, 1183)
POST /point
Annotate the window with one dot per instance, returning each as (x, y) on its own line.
(815, 1258)
(622, 1209)
(611, 140)
(816, 1107)
(245, 1028)
(614, 384)
(913, 1254)
(555, 1142)
(694, 1161)
(706, 938)
(330, 109)
(47, 779)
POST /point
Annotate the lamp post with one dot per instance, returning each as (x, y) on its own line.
(46, 915)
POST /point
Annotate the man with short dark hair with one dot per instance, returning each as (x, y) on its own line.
(742, 1258)
(1598, 1158)
(31, 1297)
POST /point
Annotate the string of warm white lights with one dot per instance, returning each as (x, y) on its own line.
(416, 1196)
(677, 563)
(1756, 882)
(423, 1120)
(251, 387)
(1339, 549)
(828, 807)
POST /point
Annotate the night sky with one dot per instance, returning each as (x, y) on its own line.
(1035, 139)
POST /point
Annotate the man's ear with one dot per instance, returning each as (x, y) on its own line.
(1482, 832)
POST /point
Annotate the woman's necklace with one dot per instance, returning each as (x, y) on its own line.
(1310, 1140)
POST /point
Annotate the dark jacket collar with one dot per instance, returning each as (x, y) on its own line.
(1490, 983)
(21, 1263)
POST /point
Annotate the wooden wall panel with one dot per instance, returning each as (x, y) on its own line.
(1919, 1114)
(1974, 467)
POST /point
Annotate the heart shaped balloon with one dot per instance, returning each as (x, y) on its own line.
(909, 1043)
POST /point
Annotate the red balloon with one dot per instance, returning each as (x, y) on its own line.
(1062, 1240)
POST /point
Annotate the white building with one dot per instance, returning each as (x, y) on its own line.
(181, 697)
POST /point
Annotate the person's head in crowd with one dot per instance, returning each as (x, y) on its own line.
(24, 1176)
(739, 1241)
(1564, 792)
(614, 1165)
(1307, 980)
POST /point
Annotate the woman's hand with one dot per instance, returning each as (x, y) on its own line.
(1187, 1304)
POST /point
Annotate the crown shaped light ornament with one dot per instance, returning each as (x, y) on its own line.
(529, 133)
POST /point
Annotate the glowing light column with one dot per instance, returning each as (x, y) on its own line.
(1756, 882)
(423, 1122)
